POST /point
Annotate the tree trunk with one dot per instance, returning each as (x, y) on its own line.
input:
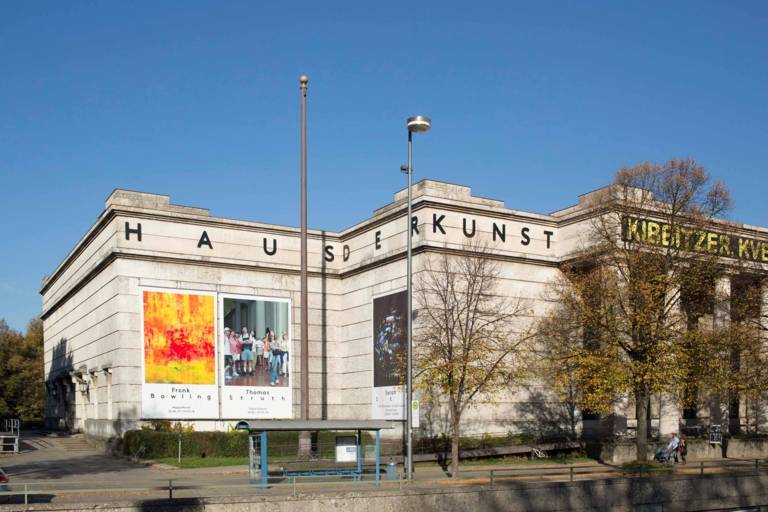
(642, 414)
(455, 450)
(649, 432)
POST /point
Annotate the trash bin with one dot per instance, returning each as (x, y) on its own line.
(391, 471)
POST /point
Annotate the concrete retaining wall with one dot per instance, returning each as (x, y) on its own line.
(620, 453)
(747, 448)
(105, 429)
(672, 493)
(701, 449)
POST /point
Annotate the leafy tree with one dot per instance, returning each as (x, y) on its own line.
(623, 328)
(467, 347)
(738, 364)
(22, 392)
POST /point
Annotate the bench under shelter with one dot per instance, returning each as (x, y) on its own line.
(258, 449)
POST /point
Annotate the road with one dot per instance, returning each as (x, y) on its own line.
(66, 469)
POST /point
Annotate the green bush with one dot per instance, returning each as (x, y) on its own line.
(196, 444)
(223, 444)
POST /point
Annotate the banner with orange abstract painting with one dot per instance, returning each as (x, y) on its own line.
(179, 360)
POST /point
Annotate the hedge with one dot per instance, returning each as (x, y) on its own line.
(221, 444)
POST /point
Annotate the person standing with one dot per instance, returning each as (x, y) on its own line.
(246, 354)
(284, 347)
(235, 346)
(683, 448)
(277, 355)
(229, 370)
(267, 350)
(673, 446)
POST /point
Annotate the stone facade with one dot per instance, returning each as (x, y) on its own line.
(92, 301)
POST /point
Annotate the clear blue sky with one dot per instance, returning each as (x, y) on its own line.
(532, 103)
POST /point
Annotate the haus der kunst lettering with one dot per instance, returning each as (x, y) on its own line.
(162, 311)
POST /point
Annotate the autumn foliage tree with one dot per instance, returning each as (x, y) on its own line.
(468, 343)
(737, 364)
(22, 392)
(622, 328)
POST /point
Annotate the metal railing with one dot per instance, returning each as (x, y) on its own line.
(11, 426)
(10, 435)
(302, 485)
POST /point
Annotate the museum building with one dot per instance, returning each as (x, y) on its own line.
(164, 311)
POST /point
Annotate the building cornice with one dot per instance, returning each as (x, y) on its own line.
(328, 274)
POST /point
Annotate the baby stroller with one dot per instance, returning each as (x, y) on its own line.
(664, 456)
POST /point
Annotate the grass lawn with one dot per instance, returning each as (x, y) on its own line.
(646, 466)
(204, 462)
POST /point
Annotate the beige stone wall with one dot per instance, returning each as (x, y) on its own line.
(92, 302)
(100, 318)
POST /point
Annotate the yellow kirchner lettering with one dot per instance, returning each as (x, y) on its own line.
(743, 248)
(712, 240)
(665, 235)
(725, 245)
(701, 237)
(653, 232)
(690, 239)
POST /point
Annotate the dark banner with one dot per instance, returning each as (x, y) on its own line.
(389, 339)
(389, 351)
(652, 232)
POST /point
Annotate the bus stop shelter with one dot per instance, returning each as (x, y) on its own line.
(258, 449)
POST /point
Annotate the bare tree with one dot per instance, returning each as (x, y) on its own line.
(468, 343)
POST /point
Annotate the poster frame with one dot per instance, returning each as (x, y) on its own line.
(371, 341)
(221, 296)
(216, 385)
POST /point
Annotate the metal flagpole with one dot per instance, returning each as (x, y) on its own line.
(304, 80)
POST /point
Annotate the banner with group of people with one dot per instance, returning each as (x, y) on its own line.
(215, 356)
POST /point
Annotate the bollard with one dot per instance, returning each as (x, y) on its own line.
(294, 486)
(170, 489)
(701, 468)
(26, 499)
(491, 477)
(571, 472)
(757, 466)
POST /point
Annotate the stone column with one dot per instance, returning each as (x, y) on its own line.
(721, 317)
(721, 320)
(670, 413)
(764, 310)
(761, 410)
(95, 395)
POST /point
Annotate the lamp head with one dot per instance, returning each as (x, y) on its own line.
(419, 124)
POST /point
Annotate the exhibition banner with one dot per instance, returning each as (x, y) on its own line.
(255, 347)
(179, 355)
(389, 352)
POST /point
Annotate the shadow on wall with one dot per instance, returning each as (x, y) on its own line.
(544, 417)
(324, 331)
(60, 406)
(186, 504)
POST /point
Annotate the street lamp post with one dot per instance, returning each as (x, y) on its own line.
(415, 124)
